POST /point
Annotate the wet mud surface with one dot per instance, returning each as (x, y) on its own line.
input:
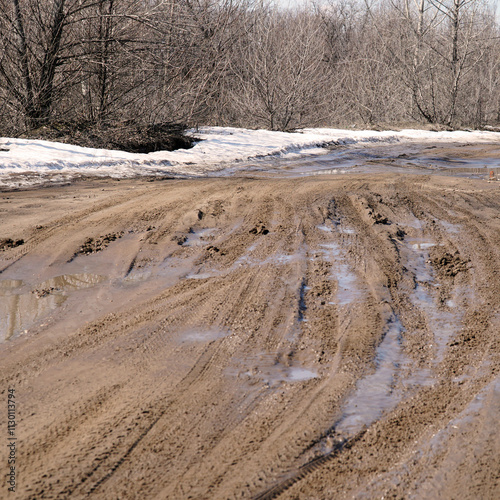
(479, 161)
(317, 337)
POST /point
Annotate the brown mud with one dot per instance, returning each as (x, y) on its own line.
(320, 337)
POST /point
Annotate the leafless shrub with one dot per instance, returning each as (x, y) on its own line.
(98, 63)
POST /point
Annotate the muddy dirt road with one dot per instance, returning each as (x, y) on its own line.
(323, 337)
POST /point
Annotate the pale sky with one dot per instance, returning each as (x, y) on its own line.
(294, 3)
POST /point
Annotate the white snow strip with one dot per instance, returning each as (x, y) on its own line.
(218, 148)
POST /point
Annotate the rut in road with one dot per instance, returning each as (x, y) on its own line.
(239, 325)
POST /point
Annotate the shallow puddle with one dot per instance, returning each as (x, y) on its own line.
(449, 227)
(412, 221)
(203, 276)
(341, 228)
(418, 257)
(284, 259)
(277, 259)
(203, 335)
(21, 304)
(137, 275)
(297, 374)
(200, 237)
(265, 368)
(443, 324)
(348, 290)
(375, 393)
(70, 282)
(346, 230)
(168, 271)
(405, 158)
(423, 245)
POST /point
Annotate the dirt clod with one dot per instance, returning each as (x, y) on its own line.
(7, 243)
(448, 264)
(94, 245)
(259, 228)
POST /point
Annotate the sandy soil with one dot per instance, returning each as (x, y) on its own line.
(324, 337)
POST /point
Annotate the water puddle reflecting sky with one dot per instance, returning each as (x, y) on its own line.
(266, 368)
(442, 323)
(348, 289)
(375, 393)
(408, 157)
(203, 334)
(381, 390)
(21, 304)
(200, 237)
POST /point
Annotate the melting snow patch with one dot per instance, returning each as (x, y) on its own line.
(217, 149)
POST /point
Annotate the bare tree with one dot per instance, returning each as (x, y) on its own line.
(282, 76)
(246, 63)
(31, 54)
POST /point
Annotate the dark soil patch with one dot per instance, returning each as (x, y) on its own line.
(260, 228)
(130, 137)
(449, 264)
(9, 243)
(94, 245)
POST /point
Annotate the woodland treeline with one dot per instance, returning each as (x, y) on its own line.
(249, 64)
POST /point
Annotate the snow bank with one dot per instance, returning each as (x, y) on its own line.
(218, 148)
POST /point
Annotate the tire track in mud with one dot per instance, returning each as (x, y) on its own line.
(305, 470)
(314, 464)
(240, 294)
(200, 367)
(485, 344)
(50, 230)
(124, 215)
(135, 443)
(113, 459)
(247, 336)
(197, 372)
(276, 296)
